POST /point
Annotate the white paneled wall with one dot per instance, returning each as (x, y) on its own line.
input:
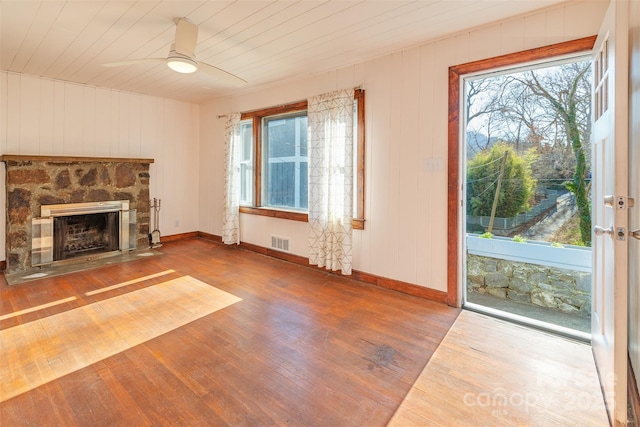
(405, 236)
(406, 113)
(46, 117)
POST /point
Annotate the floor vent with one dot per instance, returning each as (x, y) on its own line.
(280, 243)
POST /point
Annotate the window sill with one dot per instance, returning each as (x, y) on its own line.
(356, 223)
(275, 213)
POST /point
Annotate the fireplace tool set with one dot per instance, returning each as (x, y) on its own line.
(154, 236)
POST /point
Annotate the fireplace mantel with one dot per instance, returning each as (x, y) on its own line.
(66, 159)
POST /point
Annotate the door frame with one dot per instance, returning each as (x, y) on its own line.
(455, 243)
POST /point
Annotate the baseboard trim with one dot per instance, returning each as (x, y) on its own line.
(633, 396)
(210, 237)
(372, 279)
(182, 236)
(400, 286)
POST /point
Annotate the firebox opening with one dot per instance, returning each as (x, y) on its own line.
(85, 235)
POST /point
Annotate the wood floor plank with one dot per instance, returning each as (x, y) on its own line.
(133, 414)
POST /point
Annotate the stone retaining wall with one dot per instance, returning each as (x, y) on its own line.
(561, 289)
(33, 183)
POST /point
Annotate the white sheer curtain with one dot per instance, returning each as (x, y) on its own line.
(230, 215)
(330, 123)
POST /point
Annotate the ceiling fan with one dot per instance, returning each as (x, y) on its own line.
(182, 56)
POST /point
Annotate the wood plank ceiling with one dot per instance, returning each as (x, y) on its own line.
(260, 41)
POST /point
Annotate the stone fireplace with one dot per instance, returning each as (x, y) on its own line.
(70, 209)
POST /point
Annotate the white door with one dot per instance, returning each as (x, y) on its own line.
(609, 213)
(634, 189)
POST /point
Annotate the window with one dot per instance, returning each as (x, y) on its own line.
(274, 162)
(284, 167)
(246, 164)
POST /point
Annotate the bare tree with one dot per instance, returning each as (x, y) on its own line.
(547, 109)
(566, 93)
(483, 111)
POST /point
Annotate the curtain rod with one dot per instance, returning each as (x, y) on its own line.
(220, 116)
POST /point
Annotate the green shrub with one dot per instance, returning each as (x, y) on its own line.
(517, 187)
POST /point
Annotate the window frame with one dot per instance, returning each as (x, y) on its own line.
(256, 117)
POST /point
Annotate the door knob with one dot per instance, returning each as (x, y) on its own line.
(636, 234)
(600, 230)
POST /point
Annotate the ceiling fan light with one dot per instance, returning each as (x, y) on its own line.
(182, 65)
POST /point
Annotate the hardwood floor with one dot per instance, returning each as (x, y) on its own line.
(211, 335)
(295, 346)
(488, 372)
(46, 349)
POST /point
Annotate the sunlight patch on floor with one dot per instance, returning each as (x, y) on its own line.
(491, 372)
(35, 353)
(37, 308)
(129, 282)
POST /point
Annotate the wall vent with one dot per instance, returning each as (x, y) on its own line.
(280, 243)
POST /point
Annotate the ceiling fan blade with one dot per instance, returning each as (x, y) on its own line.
(221, 75)
(186, 37)
(135, 62)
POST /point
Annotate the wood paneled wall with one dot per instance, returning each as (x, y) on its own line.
(405, 232)
(405, 235)
(46, 117)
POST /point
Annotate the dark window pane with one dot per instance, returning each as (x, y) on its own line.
(281, 191)
(304, 179)
(281, 136)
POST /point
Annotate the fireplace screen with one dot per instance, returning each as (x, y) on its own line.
(82, 230)
(80, 235)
